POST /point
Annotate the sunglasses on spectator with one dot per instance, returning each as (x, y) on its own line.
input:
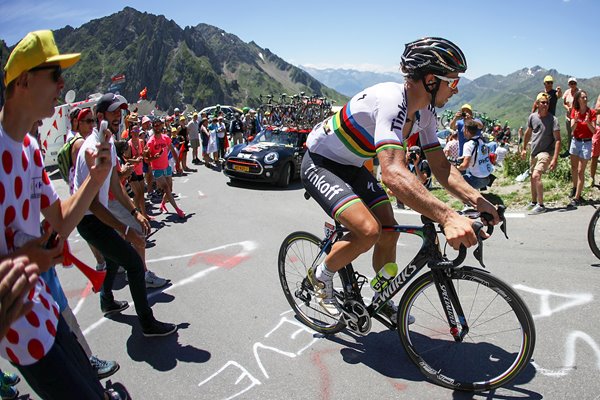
(549, 82)
(452, 82)
(572, 83)
(56, 74)
(543, 102)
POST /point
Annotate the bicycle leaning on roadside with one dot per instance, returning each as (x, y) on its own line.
(472, 332)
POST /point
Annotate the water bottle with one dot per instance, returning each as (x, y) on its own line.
(384, 276)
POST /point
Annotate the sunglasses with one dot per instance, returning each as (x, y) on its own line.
(452, 82)
(56, 74)
(549, 82)
(543, 102)
(572, 83)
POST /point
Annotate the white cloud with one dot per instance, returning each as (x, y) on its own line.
(357, 67)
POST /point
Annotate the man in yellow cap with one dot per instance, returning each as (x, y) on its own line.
(458, 123)
(46, 352)
(553, 95)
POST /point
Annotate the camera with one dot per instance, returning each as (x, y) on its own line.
(412, 156)
(463, 114)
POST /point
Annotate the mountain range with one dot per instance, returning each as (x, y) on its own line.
(198, 66)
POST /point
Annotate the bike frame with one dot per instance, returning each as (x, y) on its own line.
(429, 253)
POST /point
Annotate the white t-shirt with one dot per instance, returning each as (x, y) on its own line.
(82, 171)
(501, 153)
(372, 121)
(193, 128)
(25, 190)
(480, 164)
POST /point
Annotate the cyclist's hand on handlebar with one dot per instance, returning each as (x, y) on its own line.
(459, 231)
(484, 206)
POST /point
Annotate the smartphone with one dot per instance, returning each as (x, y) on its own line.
(101, 136)
(52, 241)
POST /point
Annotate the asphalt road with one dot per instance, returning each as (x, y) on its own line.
(238, 339)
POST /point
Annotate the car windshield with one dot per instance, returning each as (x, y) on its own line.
(278, 136)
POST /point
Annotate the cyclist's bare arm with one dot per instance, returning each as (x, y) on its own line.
(451, 179)
(405, 186)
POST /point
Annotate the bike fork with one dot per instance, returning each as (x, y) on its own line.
(451, 305)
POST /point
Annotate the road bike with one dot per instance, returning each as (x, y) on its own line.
(593, 234)
(472, 332)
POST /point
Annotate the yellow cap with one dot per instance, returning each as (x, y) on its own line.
(467, 106)
(36, 48)
(541, 95)
(548, 78)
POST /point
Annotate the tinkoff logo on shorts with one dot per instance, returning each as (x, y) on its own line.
(319, 183)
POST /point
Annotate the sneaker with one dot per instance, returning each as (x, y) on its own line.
(573, 204)
(157, 328)
(153, 281)
(103, 368)
(115, 307)
(8, 392)
(538, 209)
(390, 310)
(101, 267)
(324, 291)
(114, 394)
(9, 379)
(531, 206)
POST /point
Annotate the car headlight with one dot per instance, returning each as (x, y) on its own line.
(271, 157)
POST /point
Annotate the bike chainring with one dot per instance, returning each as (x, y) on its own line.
(356, 317)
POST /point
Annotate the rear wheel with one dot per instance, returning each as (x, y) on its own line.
(500, 338)
(594, 234)
(299, 252)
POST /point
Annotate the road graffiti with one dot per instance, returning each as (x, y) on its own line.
(297, 338)
(570, 300)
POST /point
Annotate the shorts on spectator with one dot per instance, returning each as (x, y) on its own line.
(596, 143)
(124, 216)
(195, 143)
(162, 172)
(540, 162)
(136, 178)
(581, 148)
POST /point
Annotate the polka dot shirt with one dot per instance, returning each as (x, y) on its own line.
(25, 190)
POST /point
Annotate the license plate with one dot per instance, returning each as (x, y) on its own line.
(241, 168)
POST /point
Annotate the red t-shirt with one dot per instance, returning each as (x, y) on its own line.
(581, 129)
(156, 144)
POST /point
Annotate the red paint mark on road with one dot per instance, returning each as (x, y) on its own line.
(323, 371)
(400, 387)
(219, 259)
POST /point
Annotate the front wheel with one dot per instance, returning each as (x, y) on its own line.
(500, 338)
(285, 176)
(593, 233)
(299, 252)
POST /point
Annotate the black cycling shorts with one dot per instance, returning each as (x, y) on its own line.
(336, 186)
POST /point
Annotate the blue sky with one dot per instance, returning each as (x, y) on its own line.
(497, 37)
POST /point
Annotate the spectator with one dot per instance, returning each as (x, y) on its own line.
(451, 147)
(418, 166)
(520, 139)
(205, 137)
(501, 152)
(33, 77)
(184, 144)
(583, 126)
(100, 227)
(213, 147)
(74, 128)
(193, 128)
(458, 123)
(595, 145)
(159, 146)
(544, 132)
(568, 97)
(236, 130)
(135, 156)
(476, 163)
(553, 95)
(221, 132)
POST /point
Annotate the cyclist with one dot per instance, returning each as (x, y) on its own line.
(384, 121)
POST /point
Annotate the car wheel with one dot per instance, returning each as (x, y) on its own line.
(285, 176)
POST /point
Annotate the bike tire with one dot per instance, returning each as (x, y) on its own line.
(299, 252)
(592, 235)
(498, 346)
